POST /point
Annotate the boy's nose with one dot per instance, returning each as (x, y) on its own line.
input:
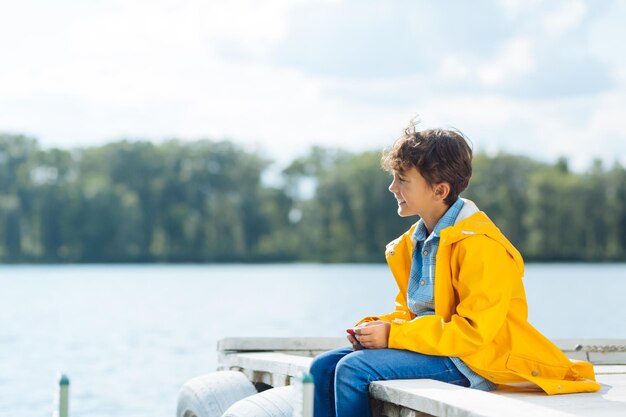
(392, 186)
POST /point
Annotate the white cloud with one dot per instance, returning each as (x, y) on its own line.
(607, 119)
(515, 59)
(454, 67)
(566, 17)
(605, 40)
(80, 73)
(514, 8)
(578, 129)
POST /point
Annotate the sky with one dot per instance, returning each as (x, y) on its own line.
(545, 79)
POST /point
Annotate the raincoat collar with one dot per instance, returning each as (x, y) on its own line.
(478, 223)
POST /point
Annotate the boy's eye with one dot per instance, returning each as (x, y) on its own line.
(401, 179)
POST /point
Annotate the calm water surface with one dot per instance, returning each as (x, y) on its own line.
(130, 336)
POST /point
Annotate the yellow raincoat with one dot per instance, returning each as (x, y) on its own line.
(480, 311)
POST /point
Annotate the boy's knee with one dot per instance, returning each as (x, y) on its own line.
(350, 368)
(317, 366)
(322, 365)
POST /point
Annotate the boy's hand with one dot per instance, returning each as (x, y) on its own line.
(373, 335)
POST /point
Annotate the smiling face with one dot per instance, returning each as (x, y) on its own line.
(416, 196)
(413, 193)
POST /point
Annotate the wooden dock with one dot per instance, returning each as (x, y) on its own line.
(276, 362)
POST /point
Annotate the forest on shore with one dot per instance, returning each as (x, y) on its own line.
(211, 201)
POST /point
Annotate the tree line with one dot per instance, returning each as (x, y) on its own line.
(210, 201)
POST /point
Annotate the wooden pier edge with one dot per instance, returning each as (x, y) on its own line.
(276, 362)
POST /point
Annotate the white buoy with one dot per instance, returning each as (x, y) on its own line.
(62, 399)
(211, 394)
(274, 402)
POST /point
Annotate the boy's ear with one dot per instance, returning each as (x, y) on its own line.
(442, 190)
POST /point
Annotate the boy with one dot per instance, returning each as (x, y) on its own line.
(461, 311)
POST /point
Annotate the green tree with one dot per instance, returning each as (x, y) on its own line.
(499, 186)
(352, 215)
(206, 201)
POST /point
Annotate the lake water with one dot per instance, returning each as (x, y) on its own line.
(129, 336)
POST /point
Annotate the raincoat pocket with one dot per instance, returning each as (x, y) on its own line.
(523, 365)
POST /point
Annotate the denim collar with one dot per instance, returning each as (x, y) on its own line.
(447, 220)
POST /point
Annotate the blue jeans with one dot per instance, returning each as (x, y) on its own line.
(342, 376)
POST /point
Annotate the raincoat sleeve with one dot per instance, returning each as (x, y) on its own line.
(401, 312)
(483, 285)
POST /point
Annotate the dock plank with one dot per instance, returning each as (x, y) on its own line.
(446, 400)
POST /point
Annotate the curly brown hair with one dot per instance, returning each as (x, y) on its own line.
(440, 155)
